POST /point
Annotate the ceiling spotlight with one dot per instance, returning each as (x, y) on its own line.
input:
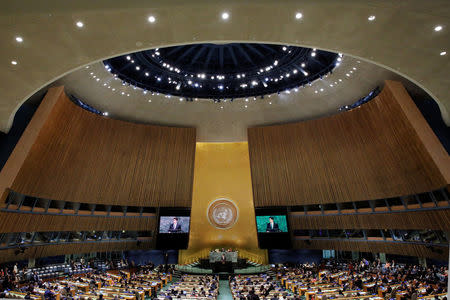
(128, 57)
(178, 86)
(19, 39)
(146, 74)
(150, 100)
(438, 28)
(151, 19)
(284, 48)
(105, 113)
(339, 59)
(14, 62)
(321, 90)
(443, 53)
(225, 16)
(246, 106)
(371, 18)
(298, 15)
(303, 65)
(138, 68)
(270, 102)
(79, 24)
(246, 99)
(313, 54)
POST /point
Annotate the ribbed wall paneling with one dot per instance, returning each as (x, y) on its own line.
(433, 219)
(76, 248)
(82, 157)
(26, 222)
(435, 252)
(370, 152)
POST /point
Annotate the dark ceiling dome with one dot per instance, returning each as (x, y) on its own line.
(222, 71)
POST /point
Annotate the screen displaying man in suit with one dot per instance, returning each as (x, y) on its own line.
(175, 226)
(272, 226)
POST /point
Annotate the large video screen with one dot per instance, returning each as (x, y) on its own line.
(271, 224)
(174, 224)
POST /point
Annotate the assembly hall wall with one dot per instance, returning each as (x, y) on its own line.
(67, 153)
(381, 149)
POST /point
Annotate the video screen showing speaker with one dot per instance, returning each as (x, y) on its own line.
(174, 224)
(173, 228)
(272, 228)
(271, 223)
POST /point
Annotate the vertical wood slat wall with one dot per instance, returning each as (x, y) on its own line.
(26, 222)
(82, 157)
(434, 220)
(63, 249)
(436, 252)
(370, 152)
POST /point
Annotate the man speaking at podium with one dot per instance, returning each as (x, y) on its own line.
(175, 227)
(272, 226)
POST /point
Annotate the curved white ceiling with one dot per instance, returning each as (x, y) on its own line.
(227, 121)
(401, 38)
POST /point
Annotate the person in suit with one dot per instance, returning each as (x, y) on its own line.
(272, 226)
(175, 226)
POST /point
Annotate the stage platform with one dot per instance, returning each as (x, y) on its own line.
(196, 269)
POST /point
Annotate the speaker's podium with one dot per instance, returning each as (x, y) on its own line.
(222, 262)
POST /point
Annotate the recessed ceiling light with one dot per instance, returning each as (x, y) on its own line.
(438, 28)
(316, 92)
(221, 107)
(19, 39)
(298, 15)
(443, 53)
(270, 102)
(246, 106)
(225, 16)
(14, 62)
(105, 113)
(321, 90)
(79, 24)
(371, 18)
(151, 19)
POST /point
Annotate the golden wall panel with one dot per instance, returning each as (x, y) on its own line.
(222, 170)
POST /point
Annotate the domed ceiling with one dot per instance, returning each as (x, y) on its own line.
(223, 71)
(116, 88)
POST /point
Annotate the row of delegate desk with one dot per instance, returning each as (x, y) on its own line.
(295, 284)
(110, 285)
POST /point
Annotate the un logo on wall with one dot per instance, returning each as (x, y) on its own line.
(222, 213)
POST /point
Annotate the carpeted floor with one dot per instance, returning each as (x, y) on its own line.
(224, 290)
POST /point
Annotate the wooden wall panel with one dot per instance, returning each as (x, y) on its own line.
(23, 222)
(82, 157)
(435, 220)
(23, 147)
(440, 253)
(370, 152)
(75, 248)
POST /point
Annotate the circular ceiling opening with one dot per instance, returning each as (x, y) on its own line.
(222, 71)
